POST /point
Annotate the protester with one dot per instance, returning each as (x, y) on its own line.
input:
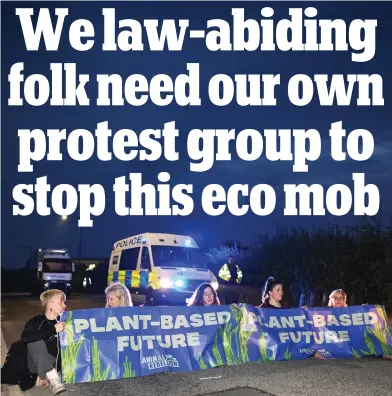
(272, 294)
(37, 355)
(204, 295)
(117, 295)
(337, 299)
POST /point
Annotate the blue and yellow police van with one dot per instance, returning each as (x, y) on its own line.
(165, 268)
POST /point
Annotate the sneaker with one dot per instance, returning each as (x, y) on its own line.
(56, 385)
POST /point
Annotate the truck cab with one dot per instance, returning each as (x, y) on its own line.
(164, 268)
(54, 270)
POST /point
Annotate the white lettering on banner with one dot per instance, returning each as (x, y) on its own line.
(354, 319)
(309, 337)
(167, 341)
(195, 320)
(173, 322)
(113, 324)
(281, 322)
(95, 328)
(143, 322)
(318, 320)
(134, 322)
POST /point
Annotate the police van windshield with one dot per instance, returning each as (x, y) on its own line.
(176, 256)
(57, 265)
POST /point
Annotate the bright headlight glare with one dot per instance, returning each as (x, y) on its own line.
(166, 283)
(179, 282)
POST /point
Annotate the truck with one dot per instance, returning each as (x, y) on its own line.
(54, 271)
(165, 269)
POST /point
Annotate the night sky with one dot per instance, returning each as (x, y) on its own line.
(19, 234)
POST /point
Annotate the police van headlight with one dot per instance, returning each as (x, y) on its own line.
(179, 283)
(215, 285)
(166, 283)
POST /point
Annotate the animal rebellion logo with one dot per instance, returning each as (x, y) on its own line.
(155, 362)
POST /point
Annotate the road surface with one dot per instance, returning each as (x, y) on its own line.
(366, 376)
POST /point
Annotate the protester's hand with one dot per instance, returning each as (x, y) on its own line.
(59, 327)
(305, 307)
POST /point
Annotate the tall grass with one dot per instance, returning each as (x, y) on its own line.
(70, 352)
(98, 374)
(209, 359)
(263, 347)
(234, 337)
(216, 352)
(381, 332)
(369, 344)
(246, 330)
(202, 364)
(128, 372)
(355, 353)
(225, 332)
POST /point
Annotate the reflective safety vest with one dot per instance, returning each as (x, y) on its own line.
(224, 273)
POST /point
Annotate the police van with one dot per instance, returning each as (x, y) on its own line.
(165, 268)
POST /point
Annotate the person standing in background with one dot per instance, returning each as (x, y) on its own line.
(231, 275)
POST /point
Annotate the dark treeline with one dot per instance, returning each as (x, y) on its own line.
(311, 264)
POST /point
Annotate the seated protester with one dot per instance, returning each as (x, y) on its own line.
(37, 354)
(118, 295)
(272, 294)
(204, 296)
(337, 299)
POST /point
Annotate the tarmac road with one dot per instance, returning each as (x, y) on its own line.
(366, 376)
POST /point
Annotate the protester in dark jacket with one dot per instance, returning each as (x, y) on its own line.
(15, 370)
(272, 294)
(41, 354)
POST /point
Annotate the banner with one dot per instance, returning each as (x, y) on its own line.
(104, 344)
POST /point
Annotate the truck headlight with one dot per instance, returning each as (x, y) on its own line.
(215, 285)
(166, 283)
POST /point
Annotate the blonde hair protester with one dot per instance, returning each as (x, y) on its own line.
(118, 295)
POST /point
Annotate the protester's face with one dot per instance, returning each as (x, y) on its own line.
(113, 301)
(208, 296)
(57, 305)
(337, 300)
(276, 293)
(230, 260)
